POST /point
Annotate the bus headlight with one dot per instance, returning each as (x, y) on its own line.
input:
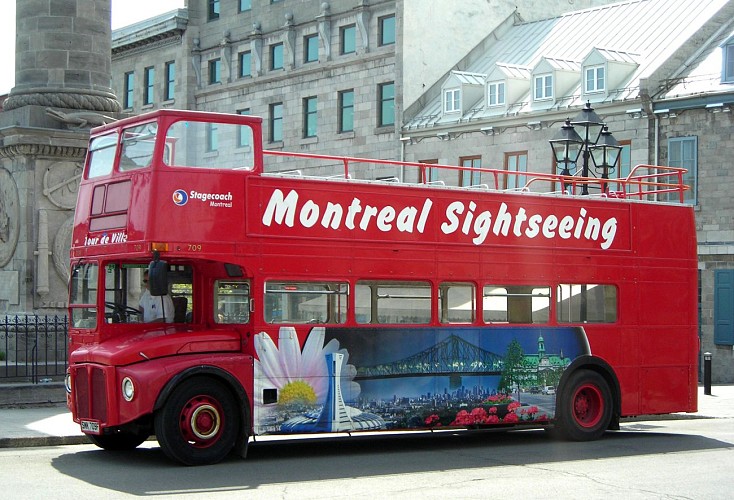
(128, 389)
(67, 382)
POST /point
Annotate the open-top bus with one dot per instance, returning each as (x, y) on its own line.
(319, 294)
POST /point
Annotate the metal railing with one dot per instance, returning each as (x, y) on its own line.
(33, 348)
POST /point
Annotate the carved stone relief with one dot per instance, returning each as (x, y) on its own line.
(61, 248)
(61, 182)
(9, 216)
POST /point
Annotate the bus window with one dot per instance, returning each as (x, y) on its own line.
(209, 145)
(516, 304)
(83, 295)
(233, 302)
(456, 303)
(102, 155)
(313, 302)
(137, 146)
(586, 304)
(393, 302)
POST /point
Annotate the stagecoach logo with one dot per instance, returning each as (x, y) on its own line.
(218, 200)
(478, 224)
(180, 197)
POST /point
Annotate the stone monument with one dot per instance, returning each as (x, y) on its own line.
(62, 78)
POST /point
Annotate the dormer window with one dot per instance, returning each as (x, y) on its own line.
(727, 53)
(543, 87)
(452, 100)
(496, 94)
(594, 79)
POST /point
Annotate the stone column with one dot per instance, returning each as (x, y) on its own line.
(62, 55)
(62, 77)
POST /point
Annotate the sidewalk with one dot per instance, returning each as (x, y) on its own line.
(51, 424)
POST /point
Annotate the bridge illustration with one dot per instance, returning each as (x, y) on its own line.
(453, 356)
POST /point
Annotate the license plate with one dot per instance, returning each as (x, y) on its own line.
(90, 427)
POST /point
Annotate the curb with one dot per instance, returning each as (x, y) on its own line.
(36, 441)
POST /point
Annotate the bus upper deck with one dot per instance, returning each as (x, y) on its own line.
(201, 162)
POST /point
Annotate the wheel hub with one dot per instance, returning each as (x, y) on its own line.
(201, 421)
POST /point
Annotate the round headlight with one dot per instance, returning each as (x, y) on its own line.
(67, 382)
(128, 389)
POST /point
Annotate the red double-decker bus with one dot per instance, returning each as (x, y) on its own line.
(220, 292)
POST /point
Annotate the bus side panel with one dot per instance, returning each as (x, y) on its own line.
(372, 378)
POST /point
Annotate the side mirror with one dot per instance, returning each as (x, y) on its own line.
(158, 277)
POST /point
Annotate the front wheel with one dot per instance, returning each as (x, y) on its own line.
(199, 423)
(584, 407)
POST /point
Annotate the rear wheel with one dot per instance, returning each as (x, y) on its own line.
(119, 441)
(584, 407)
(199, 423)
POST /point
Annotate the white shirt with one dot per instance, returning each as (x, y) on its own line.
(154, 307)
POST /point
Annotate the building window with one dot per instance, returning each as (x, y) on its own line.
(496, 94)
(215, 71)
(169, 89)
(386, 34)
(516, 162)
(309, 117)
(470, 177)
(310, 48)
(727, 53)
(213, 11)
(212, 137)
(245, 5)
(543, 87)
(149, 81)
(245, 64)
(683, 152)
(594, 79)
(244, 134)
(129, 88)
(347, 39)
(387, 104)
(276, 122)
(346, 111)
(452, 100)
(276, 56)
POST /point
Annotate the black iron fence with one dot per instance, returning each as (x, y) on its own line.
(33, 348)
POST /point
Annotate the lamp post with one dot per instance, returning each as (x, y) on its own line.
(596, 143)
(605, 154)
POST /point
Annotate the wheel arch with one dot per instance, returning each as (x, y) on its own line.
(598, 365)
(231, 382)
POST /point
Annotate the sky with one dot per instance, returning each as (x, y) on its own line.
(124, 12)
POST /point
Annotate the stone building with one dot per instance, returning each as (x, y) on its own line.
(327, 77)
(661, 74)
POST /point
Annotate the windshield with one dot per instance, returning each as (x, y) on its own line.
(124, 286)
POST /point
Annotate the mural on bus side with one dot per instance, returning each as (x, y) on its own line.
(409, 378)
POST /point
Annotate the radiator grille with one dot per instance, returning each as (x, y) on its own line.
(90, 393)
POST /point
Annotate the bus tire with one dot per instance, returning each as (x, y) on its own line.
(199, 422)
(584, 407)
(119, 441)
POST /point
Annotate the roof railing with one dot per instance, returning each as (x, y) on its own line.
(644, 182)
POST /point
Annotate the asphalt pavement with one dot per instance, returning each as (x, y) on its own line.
(50, 424)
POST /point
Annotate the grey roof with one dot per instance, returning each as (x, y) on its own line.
(645, 33)
(702, 74)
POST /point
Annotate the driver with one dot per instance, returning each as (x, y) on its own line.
(154, 308)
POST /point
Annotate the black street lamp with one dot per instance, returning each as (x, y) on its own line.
(566, 147)
(596, 140)
(605, 154)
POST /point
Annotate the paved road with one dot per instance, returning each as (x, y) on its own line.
(689, 458)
